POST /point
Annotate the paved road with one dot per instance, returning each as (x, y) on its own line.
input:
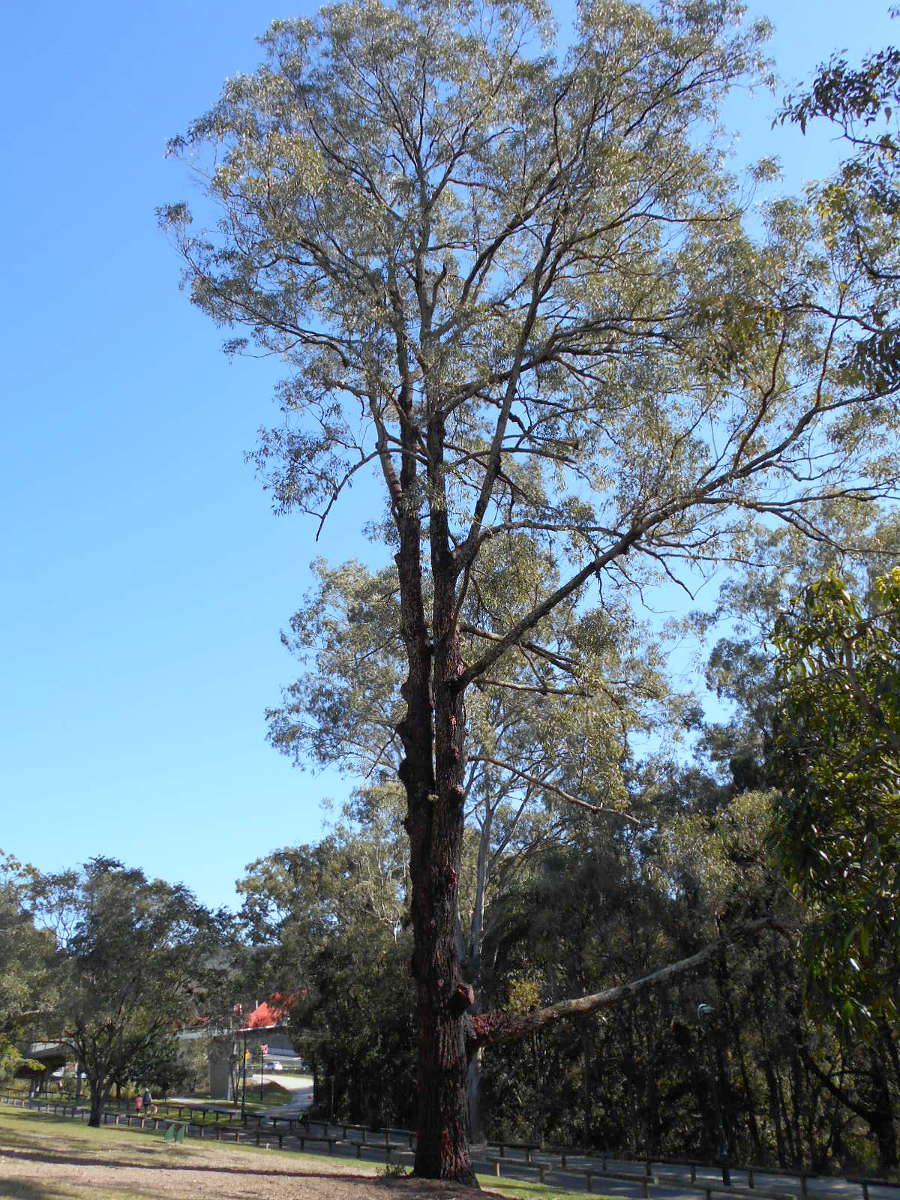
(300, 1087)
(766, 1181)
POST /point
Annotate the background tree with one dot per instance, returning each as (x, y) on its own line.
(601, 908)
(595, 904)
(543, 742)
(136, 958)
(26, 960)
(836, 755)
(328, 923)
(161, 1066)
(860, 203)
(493, 284)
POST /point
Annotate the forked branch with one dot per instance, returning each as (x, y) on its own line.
(491, 1028)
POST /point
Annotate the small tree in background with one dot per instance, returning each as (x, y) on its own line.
(26, 959)
(136, 958)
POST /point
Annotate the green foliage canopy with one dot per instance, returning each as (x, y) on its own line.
(836, 755)
(860, 205)
(26, 959)
(136, 958)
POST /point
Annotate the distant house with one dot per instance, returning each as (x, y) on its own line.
(265, 1026)
(272, 1012)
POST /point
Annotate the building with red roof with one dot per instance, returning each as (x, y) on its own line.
(271, 1012)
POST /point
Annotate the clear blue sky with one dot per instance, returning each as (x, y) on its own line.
(144, 579)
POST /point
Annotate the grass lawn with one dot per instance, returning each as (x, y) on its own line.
(41, 1138)
(533, 1191)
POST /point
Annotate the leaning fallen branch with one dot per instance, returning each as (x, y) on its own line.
(491, 1028)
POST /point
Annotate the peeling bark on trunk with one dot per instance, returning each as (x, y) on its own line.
(433, 734)
(436, 831)
(442, 1148)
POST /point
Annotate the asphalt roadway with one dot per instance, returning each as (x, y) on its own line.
(300, 1087)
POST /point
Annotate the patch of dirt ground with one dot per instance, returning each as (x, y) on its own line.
(59, 1163)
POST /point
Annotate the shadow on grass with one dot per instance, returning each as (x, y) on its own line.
(21, 1189)
(76, 1130)
(15, 1189)
(161, 1164)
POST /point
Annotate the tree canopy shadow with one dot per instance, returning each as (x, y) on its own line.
(23, 1189)
(173, 1164)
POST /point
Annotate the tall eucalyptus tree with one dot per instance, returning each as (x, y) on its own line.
(516, 283)
(538, 754)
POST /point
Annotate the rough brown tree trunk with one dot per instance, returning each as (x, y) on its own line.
(442, 998)
(436, 831)
(433, 735)
(97, 1098)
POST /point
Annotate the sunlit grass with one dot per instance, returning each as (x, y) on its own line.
(60, 1137)
(533, 1191)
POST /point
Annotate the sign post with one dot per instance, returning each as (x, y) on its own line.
(244, 1082)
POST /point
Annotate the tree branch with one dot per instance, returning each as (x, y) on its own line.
(489, 1029)
(546, 785)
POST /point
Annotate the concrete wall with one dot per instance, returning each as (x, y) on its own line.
(221, 1051)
